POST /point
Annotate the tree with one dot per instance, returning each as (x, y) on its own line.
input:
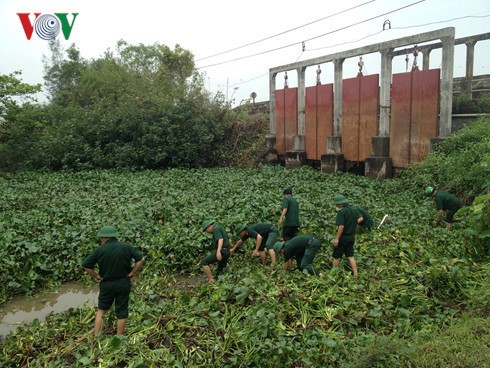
(10, 88)
(20, 119)
(135, 106)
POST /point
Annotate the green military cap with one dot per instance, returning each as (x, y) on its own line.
(240, 228)
(205, 224)
(339, 199)
(278, 246)
(429, 191)
(107, 232)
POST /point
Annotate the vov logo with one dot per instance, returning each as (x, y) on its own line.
(47, 26)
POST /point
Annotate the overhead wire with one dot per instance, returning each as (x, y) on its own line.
(371, 35)
(394, 28)
(284, 32)
(312, 38)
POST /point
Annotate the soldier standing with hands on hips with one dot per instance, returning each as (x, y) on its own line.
(114, 260)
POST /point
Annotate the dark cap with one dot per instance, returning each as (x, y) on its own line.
(288, 191)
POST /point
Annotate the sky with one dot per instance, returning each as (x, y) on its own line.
(236, 43)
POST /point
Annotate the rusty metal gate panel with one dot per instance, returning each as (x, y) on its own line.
(414, 115)
(360, 101)
(318, 119)
(286, 118)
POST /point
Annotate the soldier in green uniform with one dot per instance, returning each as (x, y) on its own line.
(445, 202)
(222, 242)
(265, 235)
(343, 243)
(290, 215)
(365, 222)
(303, 248)
(114, 264)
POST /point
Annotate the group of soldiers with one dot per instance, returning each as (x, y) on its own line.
(114, 258)
(302, 248)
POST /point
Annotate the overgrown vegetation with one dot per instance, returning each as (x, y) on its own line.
(460, 164)
(464, 104)
(421, 299)
(136, 107)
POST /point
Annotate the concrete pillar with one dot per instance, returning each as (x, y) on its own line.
(470, 57)
(337, 97)
(299, 140)
(385, 93)
(426, 59)
(272, 103)
(333, 160)
(301, 100)
(446, 85)
(297, 156)
(379, 165)
(270, 155)
(294, 159)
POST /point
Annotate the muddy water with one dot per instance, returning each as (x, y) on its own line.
(22, 310)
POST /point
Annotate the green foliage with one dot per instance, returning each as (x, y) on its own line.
(463, 104)
(460, 164)
(136, 107)
(11, 86)
(478, 231)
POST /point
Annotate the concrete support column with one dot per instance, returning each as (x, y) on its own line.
(385, 93)
(272, 103)
(297, 156)
(379, 165)
(446, 85)
(470, 57)
(426, 59)
(333, 160)
(299, 140)
(301, 100)
(270, 156)
(337, 97)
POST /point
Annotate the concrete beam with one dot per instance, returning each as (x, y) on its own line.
(438, 45)
(399, 42)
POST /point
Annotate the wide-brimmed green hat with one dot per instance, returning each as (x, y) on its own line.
(205, 224)
(107, 232)
(240, 228)
(339, 199)
(278, 246)
(429, 191)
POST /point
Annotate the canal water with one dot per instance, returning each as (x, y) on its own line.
(24, 310)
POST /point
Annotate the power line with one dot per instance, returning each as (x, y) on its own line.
(371, 35)
(281, 33)
(313, 38)
(393, 28)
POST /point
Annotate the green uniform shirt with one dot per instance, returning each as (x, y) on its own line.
(446, 201)
(348, 216)
(220, 233)
(292, 215)
(367, 223)
(114, 259)
(254, 230)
